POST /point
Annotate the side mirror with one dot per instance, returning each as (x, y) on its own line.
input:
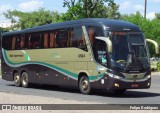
(1, 33)
(107, 41)
(155, 44)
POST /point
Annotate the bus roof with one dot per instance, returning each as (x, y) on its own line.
(110, 24)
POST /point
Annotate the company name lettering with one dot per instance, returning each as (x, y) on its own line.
(16, 55)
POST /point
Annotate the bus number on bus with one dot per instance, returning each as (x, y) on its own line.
(81, 55)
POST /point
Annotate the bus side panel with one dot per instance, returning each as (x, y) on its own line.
(43, 75)
(6, 71)
(40, 75)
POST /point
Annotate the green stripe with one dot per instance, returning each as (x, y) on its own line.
(75, 76)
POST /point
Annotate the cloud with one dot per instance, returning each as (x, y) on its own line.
(125, 5)
(4, 8)
(138, 7)
(30, 6)
(130, 7)
(154, 0)
(151, 15)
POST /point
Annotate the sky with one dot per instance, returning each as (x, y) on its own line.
(125, 6)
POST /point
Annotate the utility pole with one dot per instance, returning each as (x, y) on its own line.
(145, 9)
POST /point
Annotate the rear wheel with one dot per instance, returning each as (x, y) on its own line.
(84, 85)
(120, 91)
(24, 80)
(17, 79)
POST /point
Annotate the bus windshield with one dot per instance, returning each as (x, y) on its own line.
(127, 46)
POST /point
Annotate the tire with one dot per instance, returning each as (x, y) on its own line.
(120, 91)
(17, 79)
(84, 85)
(25, 80)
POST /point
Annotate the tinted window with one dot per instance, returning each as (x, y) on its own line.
(61, 38)
(135, 38)
(6, 43)
(98, 46)
(79, 39)
(20, 42)
(93, 32)
(35, 41)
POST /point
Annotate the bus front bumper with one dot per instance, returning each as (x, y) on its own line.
(115, 82)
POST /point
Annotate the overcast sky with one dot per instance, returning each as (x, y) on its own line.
(126, 6)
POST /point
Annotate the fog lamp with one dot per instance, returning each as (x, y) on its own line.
(116, 85)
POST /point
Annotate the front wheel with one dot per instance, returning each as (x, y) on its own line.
(84, 85)
(119, 91)
(24, 80)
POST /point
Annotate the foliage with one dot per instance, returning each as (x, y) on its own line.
(30, 19)
(157, 15)
(90, 9)
(77, 9)
(4, 29)
(158, 66)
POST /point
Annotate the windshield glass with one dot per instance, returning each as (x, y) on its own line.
(128, 51)
(120, 47)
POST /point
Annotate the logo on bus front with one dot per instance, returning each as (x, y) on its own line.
(134, 78)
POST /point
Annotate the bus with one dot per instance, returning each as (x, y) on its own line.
(0, 41)
(87, 54)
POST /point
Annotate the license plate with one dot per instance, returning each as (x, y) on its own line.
(135, 85)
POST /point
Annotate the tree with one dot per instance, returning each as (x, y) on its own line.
(157, 15)
(24, 20)
(4, 29)
(90, 9)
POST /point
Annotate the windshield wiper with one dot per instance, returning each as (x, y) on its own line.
(137, 59)
(129, 62)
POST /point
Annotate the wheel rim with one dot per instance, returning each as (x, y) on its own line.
(85, 84)
(25, 80)
(16, 79)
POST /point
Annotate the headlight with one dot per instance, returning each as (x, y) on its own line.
(149, 76)
(114, 76)
(117, 77)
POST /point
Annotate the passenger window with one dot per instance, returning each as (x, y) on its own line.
(79, 39)
(93, 32)
(22, 42)
(61, 38)
(46, 40)
(13, 42)
(35, 41)
(7, 43)
(52, 40)
(18, 43)
(70, 37)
